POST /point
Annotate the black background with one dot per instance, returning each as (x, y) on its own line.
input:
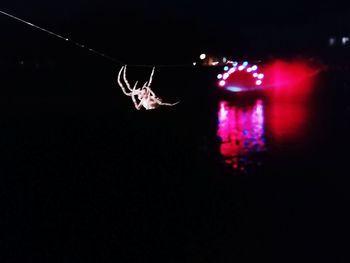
(86, 178)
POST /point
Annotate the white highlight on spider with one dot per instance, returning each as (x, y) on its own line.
(141, 97)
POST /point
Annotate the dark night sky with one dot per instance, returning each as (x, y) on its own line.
(144, 29)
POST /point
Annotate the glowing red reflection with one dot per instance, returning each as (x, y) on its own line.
(287, 121)
(291, 84)
(290, 80)
(241, 130)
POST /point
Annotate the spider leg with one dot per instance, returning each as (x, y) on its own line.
(151, 77)
(144, 86)
(168, 104)
(137, 106)
(141, 103)
(120, 83)
(151, 91)
(125, 80)
(159, 101)
(134, 90)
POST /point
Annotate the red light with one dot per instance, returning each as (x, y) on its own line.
(287, 120)
(291, 84)
(290, 80)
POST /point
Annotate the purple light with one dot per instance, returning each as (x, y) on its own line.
(244, 125)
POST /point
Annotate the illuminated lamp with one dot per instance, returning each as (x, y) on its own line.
(222, 83)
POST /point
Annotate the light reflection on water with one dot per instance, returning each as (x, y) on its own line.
(241, 130)
(285, 116)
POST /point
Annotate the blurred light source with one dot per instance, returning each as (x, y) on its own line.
(243, 78)
(331, 41)
(255, 67)
(202, 56)
(234, 89)
(223, 112)
(344, 40)
(194, 63)
(222, 83)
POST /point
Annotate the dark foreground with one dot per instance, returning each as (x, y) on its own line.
(86, 178)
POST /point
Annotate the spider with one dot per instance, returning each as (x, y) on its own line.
(147, 98)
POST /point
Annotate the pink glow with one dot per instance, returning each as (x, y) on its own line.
(291, 84)
(241, 130)
(287, 122)
(222, 83)
(223, 111)
(290, 80)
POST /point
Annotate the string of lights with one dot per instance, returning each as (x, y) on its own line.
(244, 67)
